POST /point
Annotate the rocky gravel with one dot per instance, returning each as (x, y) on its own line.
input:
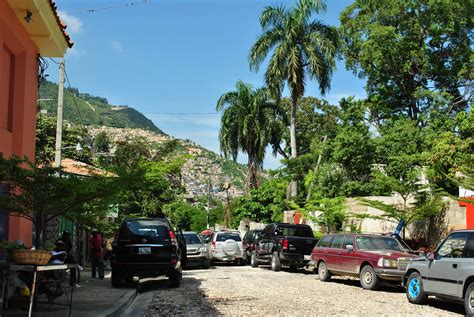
(244, 291)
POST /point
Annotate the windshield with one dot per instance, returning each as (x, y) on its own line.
(378, 243)
(192, 238)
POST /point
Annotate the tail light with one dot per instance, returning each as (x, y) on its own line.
(213, 246)
(252, 246)
(173, 238)
(285, 244)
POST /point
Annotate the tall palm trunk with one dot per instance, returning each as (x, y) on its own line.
(252, 174)
(293, 184)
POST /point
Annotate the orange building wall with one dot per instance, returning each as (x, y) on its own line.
(18, 95)
(469, 212)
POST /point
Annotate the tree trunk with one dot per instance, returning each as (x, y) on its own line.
(294, 154)
(316, 167)
(252, 178)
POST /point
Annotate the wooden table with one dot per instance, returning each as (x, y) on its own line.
(34, 269)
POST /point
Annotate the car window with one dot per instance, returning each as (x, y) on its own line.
(226, 236)
(325, 242)
(143, 228)
(369, 243)
(453, 246)
(192, 238)
(294, 231)
(337, 242)
(348, 240)
(470, 247)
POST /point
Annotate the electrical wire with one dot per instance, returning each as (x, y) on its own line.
(123, 5)
(74, 98)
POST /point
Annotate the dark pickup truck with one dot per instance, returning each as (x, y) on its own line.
(284, 244)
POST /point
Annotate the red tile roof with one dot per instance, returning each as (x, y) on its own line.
(63, 26)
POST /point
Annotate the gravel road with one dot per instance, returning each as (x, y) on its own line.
(237, 290)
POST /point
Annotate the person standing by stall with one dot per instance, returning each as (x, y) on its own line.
(96, 254)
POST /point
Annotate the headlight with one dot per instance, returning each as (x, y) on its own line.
(382, 262)
(203, 249)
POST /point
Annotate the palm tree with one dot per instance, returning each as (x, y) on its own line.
(247, 125)
(303, 48)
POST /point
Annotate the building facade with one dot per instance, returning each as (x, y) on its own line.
(28, 29)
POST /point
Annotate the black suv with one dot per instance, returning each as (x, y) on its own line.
(147, 247)
(249, 243)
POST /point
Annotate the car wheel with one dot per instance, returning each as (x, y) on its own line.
(243, 262)
(175, 277)
(368, 278)
(253, 260)
(324, 274)
(276, 264)
(469, 300)
(206, 264)
(414, 289)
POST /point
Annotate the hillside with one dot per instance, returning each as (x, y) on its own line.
(204, 165)
(94, 111)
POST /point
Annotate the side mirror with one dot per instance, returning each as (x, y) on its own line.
(350, 247)
(208, 239)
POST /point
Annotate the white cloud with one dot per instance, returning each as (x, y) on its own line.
(75, 52)
(74, 25)
(117, 47)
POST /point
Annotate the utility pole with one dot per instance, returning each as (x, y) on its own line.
(208, 201)
(59, 116)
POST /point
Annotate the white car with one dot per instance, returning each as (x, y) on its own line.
(226, 246)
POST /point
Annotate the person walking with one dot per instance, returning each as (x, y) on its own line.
(96, 254)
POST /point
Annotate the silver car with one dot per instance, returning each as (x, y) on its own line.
(448, 273)
(198, 251)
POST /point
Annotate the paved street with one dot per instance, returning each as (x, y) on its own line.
(234, 290)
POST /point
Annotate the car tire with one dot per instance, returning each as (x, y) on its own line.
(276, 264)
(206, 264)
(368, 278)
(469, 300)
(116, 279)
(243, 262)
(414, 289)
(253, 260)
(175, 277)
(324, 274)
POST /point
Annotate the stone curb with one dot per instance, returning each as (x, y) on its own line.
(119, 306)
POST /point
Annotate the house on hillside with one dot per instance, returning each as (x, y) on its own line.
(28, 29)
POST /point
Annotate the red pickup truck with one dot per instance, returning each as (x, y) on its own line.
(372, 258)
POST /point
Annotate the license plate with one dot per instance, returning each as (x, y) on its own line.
(144, 250)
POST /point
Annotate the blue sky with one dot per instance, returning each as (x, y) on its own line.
(176, 56)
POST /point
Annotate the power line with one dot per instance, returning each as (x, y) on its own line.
(122, 5)
(182, 113)
(74, 98)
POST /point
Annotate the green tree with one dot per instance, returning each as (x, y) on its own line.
(303, 49)
(412, 53)
(265, 204)
(102, 142)
(46, 141)
(332, 212)
(41, 194)
(247, 125)
(148, 182)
